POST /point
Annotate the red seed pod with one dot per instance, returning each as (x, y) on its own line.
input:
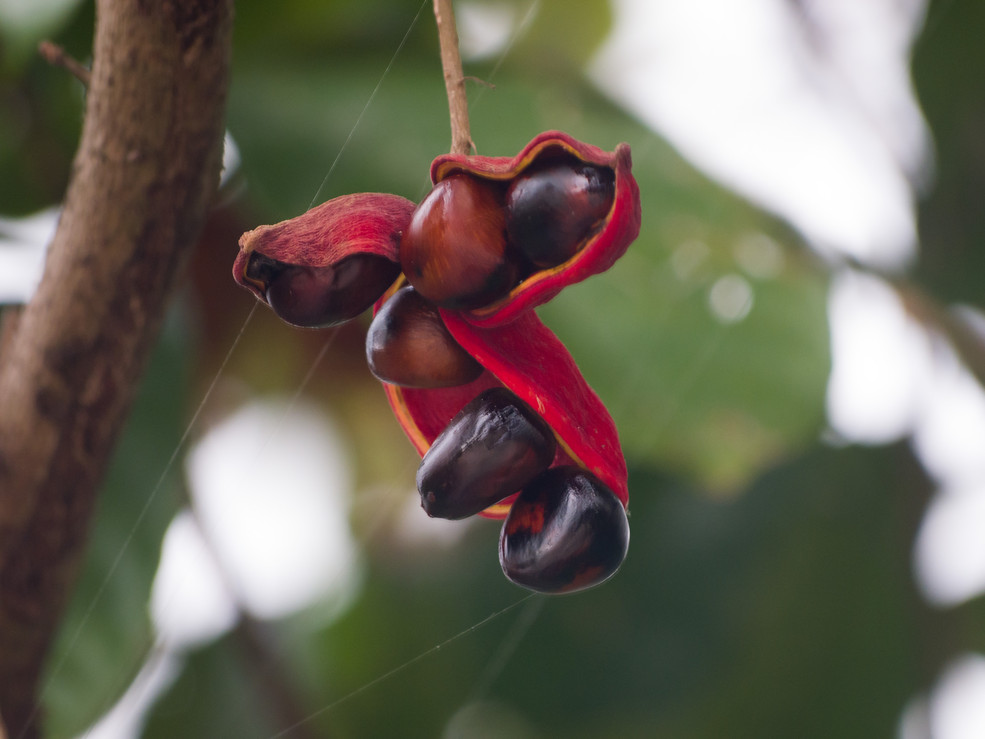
(294, 265)
(565, 532)
(407, 344)
(328, 264)
(609, 240)
(528, 359)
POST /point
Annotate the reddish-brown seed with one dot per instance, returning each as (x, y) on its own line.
(407, 344)
(454, 252)
(565, 532)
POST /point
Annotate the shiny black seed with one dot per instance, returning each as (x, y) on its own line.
(551, 211)
(566, 531)
(493, 447)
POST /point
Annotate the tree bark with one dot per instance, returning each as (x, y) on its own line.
(146, 169)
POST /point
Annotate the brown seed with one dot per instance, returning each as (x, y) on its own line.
(492, 448)
(407, 344)
(318, 297)
(566, 531)
(552, 210)
(454, 252)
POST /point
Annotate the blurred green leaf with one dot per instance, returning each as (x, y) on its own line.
(949, 74)
(785, 612)
(214, 695)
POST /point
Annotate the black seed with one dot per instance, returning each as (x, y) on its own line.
(566, 531)
(551, 211)
(493, 447)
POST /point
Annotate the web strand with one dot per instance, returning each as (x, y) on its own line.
(369, 102)
(400, 668)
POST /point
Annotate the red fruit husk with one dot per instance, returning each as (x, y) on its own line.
(619, 229)
(363, 223)
(528, 359)
(516, 350)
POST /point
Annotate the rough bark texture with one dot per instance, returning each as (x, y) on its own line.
(146, 169)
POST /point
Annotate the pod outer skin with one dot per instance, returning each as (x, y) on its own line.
(527, 358)
(618, 229)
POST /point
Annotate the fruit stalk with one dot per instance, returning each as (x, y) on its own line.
(451, 64)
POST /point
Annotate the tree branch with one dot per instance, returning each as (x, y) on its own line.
(55, 54)
(146, 169)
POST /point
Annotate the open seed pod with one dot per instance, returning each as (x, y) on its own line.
(604, 241)
(525, 357)
(329, 264)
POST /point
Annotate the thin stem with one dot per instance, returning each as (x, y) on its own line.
(451, 63)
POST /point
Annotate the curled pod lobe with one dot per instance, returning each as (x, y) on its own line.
(328, 264)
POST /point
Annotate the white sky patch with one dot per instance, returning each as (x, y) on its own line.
(484, 28)
(23, 245)
(949, 554)
(790, 120)
(950, 435)
(808, 109)
(880, 361)
(272, 486)
(190, 604)
(125, 720)
(231, 158)
(949, 439)
(893, 378)
(957, 704)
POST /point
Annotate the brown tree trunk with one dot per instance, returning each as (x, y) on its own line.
(147, 166)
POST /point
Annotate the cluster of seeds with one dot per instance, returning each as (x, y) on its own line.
(472, 240)
(473, 243)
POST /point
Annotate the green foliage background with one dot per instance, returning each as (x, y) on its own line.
(768, 590)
